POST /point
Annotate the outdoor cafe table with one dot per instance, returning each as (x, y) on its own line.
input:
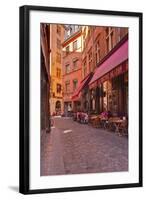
(104, 122)
(92, 118)
(117, 123)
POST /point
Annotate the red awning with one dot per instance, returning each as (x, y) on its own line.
(77, 97)
(115, 59)
(82, 84)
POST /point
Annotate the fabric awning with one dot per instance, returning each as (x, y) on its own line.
(115, 59)
(82, 84)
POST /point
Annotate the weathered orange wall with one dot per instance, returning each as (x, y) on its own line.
(74, 74)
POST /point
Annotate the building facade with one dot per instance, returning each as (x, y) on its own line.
(105, 55)
(72, 69)
(56, 39)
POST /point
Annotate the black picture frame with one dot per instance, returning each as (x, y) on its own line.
(25, 105)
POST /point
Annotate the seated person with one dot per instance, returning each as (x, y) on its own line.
(109, 114)
(86, 118)
(104, 114)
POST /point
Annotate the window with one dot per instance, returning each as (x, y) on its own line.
(93, 101)
(89, 31)
(58, 43)
(84, 68)
(58, 73)
(58, 30)
(119, 34)
(75, 45)
(67, 68)
(75, 64)
(68, 33)
(58, 57)
(75, 83)
(97, 52)
(90, 60)
(71, 29)
(76, 28)
(67, 50)
(123, 32)
(58, 88)
(90, 55)
(67, 86)
(109, 38)
(84, 38)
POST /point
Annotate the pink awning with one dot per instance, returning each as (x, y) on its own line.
(82, 84)
(116, 58)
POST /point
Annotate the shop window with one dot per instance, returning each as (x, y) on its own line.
(115, 83)
(105, 93)
(93, 98)
(109, 95)
(115, 102)
(105, 102)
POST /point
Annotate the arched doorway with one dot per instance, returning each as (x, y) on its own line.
(58, 107)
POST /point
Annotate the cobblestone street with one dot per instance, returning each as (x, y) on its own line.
(73, 148)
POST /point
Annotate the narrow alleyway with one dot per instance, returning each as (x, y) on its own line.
(73, 148)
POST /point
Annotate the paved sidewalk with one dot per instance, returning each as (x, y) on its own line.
(51, 154)
(73, 148)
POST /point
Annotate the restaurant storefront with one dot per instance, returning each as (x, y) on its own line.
(85, 99)
(109, 85)
(113, 95)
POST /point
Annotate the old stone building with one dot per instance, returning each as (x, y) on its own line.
(72, 69)
(56, 39)
(105, 57)
(87, 68)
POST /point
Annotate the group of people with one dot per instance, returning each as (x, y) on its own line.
(81, 117)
